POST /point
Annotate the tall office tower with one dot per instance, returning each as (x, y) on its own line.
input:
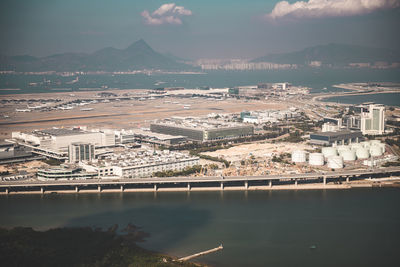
(373, 119)
(80, 151)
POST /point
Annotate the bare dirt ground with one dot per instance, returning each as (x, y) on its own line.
(30, 167)
(258, 150)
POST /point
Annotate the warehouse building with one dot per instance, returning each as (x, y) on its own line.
(340, 137)
(56, 141)
(14, 153)
(202, 130)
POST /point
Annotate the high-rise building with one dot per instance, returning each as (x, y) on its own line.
(352, 122)
(80, 151)
(372, 119)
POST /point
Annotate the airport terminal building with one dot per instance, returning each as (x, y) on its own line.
(203, 131)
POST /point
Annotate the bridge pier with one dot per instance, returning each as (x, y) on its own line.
(347, 179)
(246, 184)
(122, 188)
(295, 182)
(222, 186)
(99, 188)
(155, 187)
(324, 180)
(7, 192)
(76, 189)
(270, 183)
(41, 190)
(188, 186)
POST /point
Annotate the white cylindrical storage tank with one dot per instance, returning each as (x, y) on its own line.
(383, 147)
(375, 142)
(375, 151)
(329, 151)
(366, 144)
(362, 153)
(341, 149)
(299, 156)
(349, 155)
(316, 159)
(335, 162)
(356, 146)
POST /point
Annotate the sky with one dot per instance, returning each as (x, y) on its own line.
(195, 29)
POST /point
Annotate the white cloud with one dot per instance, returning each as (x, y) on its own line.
(166, 14)
(329, 8)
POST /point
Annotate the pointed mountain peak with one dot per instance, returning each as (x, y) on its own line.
(139, 45)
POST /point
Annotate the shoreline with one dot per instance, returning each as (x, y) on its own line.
(373, 183)
(122, 243)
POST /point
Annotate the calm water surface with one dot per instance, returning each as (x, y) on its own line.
(317, 79)
(358, 227)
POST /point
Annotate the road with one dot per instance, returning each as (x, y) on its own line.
(209, 179)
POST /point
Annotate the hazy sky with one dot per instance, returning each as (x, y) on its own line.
(195, 28)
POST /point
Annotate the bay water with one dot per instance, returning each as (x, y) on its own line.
(357, 227)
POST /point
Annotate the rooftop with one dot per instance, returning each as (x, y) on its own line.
(142, 157)
(201, 123)
(333, 134)
(158, 136)
(6, 144)
(59, 132)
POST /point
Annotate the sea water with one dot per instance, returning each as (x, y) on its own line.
(356, 227)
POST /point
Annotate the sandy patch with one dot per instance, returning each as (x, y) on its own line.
(258, 150)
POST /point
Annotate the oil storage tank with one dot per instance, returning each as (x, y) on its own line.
(375, 142)
(362, 153)
(329, 151)
(366, 144)
(341, 149)
(335, 162)
(299, 156)
(356, 146)
(316, 159)
(383, 147)
(349, 155)
(375, 151)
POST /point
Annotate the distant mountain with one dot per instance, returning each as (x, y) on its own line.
(176, 58)
(333, 54)
(137, 56)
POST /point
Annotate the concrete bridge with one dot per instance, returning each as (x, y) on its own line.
(192, 183)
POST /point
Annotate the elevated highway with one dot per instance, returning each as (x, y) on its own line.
(189, 183)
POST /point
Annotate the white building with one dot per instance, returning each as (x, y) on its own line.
(80, 151)
(64, 173)
(250, 119)
(140, 163)
(372, 119)
(329, 127)
(58, 140)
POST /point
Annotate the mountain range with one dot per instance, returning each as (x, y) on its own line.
(140, 56)
(333, 54)
(137, 56)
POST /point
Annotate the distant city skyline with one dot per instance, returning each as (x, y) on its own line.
(195, 29)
